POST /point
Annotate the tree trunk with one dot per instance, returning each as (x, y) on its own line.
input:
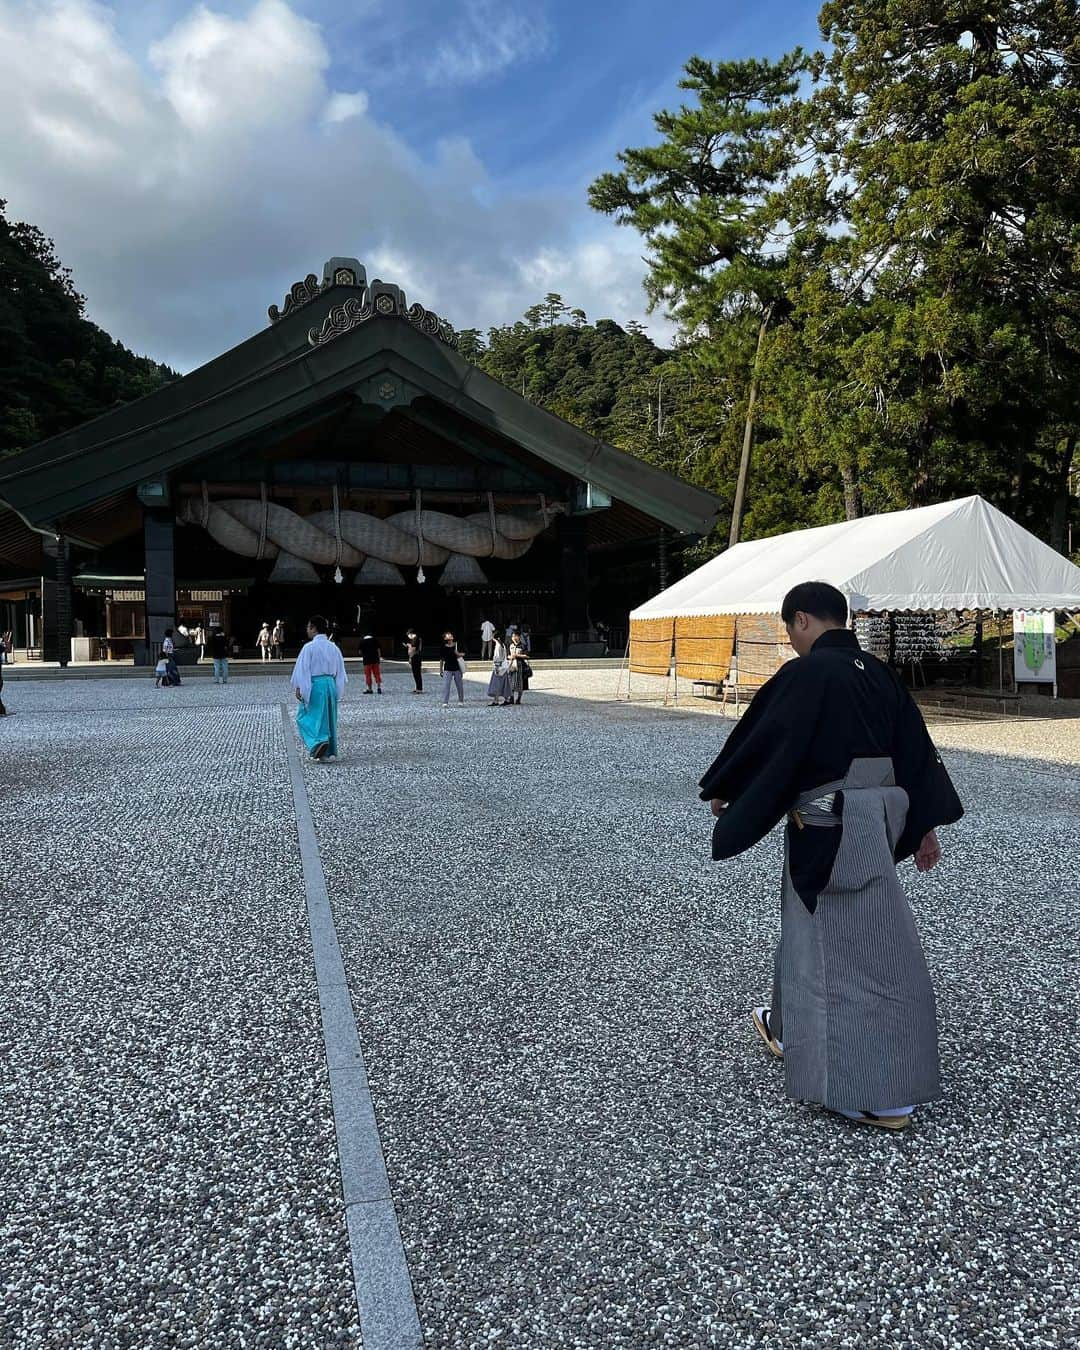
(920, 468)
(1018, 480)
(852, 493)
(748, 436)
(1060, 518)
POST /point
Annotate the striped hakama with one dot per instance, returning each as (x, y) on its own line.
(852, 1001)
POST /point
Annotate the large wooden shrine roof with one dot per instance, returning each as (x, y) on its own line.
(332, 346)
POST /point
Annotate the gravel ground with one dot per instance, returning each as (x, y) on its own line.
(587, 1145)
(170, 1169)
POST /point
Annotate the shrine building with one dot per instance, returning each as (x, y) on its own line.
(345, 460)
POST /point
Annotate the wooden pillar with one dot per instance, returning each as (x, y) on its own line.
(573, 577)
(662, 562)
(158, 529)
(56, 600)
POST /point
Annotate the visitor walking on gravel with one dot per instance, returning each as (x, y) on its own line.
(451, 666)
(835, 742)
(519, 667)
(168, 651)
(319, 680)
(5, 648)
(277, 640)
(499, 684)
(219, 655)
(414, 647)
(372, 657)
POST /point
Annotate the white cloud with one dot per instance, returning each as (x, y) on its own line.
(219, 72)
(493, 36)
(340, 107)
(187, 195)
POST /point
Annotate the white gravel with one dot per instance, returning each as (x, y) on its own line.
(170, 1170)
(586, 1143)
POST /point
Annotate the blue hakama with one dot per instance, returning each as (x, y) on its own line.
(316, 720)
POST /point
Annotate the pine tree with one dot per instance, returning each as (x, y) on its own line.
(948, 137)
(703, 199)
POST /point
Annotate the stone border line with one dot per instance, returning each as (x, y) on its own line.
(384, 1293)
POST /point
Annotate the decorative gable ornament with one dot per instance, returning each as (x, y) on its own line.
(380, 299)
(336, 272)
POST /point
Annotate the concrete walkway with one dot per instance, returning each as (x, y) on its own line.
(584, 1144)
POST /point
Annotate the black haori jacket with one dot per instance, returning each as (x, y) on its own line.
(803, 729)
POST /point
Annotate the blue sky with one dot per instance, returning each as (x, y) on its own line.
(191, 160)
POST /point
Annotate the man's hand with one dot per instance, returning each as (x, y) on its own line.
(929, 854)
(717, 806)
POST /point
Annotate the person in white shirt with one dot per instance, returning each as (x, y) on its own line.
(264, 641)
(499, 684)
(168, 651)
(487, 638)
(319, 680)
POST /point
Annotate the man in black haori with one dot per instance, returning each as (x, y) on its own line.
(835, 742)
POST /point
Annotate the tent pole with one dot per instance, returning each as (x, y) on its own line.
(977, 648)
(1001, 654)
(625, 666)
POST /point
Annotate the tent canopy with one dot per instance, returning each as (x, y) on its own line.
(964, 554)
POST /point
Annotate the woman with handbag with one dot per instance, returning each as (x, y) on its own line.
(499, 684)
(519, 668)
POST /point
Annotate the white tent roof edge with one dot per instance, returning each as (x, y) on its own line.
(963, 554)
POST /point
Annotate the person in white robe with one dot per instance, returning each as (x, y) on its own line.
(319, 680)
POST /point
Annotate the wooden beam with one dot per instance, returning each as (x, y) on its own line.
(292, 491)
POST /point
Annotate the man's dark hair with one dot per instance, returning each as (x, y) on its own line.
(168, 632)
(318, 623)
(818, 598)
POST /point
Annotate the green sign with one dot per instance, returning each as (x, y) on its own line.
(1033, 646)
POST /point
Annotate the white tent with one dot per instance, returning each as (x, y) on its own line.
(964, 554)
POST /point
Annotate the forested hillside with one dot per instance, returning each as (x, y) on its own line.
(57, 369)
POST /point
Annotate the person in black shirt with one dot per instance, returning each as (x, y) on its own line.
(5, 641)
(219, 654)
(414, 645)
(835, 742)
(450, 669)
(369, 650)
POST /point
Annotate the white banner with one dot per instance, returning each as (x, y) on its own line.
(1034, 654)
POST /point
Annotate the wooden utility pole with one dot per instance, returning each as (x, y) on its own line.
(748, 436)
